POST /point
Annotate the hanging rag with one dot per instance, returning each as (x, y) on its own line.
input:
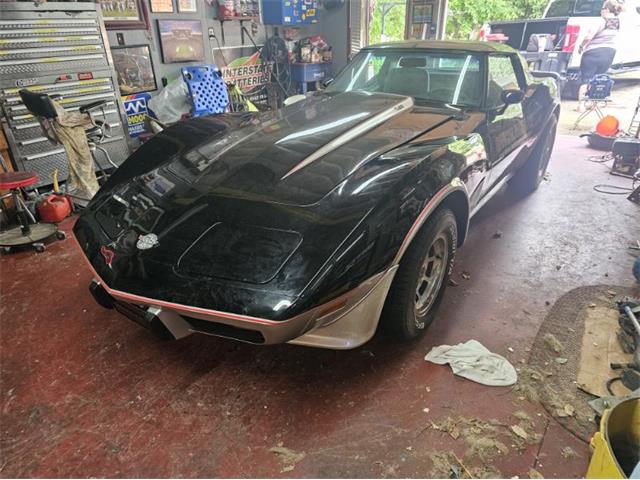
(473, 361)
(68, 129)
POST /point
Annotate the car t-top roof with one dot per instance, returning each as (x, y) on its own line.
(457, 45)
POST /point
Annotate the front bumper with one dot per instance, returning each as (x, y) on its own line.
(345, 322)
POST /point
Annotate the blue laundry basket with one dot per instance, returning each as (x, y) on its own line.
(207, 89)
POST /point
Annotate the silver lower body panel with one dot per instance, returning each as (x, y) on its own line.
(345, 322)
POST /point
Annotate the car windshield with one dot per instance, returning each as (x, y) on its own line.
(575, 8)
(427, 76)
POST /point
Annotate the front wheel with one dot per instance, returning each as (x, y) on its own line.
(530, 175)
(419, 284)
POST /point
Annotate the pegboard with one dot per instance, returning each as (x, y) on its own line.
(207, 89)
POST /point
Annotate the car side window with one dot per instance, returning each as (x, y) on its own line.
(502, 76)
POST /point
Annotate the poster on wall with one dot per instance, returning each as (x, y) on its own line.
(181, 40)
(248, 72)
(136, 109)
(187, 6)
(161, 6)
(134, 69)
(124, 14)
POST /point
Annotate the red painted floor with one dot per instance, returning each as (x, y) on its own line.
(85, 392)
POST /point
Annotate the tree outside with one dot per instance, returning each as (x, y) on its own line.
(465, 17)
(389, 14)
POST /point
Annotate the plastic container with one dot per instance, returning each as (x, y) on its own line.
(54, 208)
(616, 446)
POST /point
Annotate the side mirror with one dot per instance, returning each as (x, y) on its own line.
(512, 96)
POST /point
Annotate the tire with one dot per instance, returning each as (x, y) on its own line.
(407, 313)
(60, 235)
(528, 178)
(39, 247)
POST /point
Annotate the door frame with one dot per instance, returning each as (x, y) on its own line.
(440, 14)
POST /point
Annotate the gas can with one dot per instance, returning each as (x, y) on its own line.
(54, 208)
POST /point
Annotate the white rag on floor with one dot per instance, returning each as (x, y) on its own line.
(473, 361)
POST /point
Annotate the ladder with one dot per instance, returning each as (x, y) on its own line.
(634, 126)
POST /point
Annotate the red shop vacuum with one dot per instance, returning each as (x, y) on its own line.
(605, 134)
(608, 131)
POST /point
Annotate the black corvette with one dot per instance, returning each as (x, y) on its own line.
(317, 222)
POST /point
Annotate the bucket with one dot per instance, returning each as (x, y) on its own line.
(616, 447)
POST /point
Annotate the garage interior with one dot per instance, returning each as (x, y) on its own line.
(542, 280)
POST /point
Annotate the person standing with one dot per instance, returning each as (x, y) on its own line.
(598, 48)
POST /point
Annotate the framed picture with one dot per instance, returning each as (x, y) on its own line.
(181, 40)
(134, 69)
(161, 6)
(124, 14)
(187, 6)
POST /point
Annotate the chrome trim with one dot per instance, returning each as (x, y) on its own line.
(355, 132)
(490, 194)
(455, 185)
(177, 326)
(50, 59)
(50, 49)
(35, 156)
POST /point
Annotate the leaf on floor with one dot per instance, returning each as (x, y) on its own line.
(288, 457)
(553, 343)
(533, 473)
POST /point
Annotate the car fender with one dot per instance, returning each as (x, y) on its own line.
(449, 194)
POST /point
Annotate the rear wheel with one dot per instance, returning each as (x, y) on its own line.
(419, 284)
(529, 177)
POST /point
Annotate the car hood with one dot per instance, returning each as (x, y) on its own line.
(295, 155)
(254, 204)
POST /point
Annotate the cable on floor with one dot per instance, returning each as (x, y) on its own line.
(600, 158)
(612, 189)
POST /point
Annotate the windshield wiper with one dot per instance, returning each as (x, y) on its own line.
(428, 102)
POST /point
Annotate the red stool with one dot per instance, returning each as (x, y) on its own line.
(27, 233)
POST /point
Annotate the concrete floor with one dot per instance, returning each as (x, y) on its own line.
(86, 392)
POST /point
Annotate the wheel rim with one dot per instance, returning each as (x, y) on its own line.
(431, 275)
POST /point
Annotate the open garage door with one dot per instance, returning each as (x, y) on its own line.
(358, 25)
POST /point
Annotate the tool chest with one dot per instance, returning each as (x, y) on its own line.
(62, 49)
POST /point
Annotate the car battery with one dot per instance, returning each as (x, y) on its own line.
(289, 12)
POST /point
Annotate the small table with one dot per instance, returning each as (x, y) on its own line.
(304, 73)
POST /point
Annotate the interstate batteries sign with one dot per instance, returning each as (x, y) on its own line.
(135, 107)
(249, 73)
